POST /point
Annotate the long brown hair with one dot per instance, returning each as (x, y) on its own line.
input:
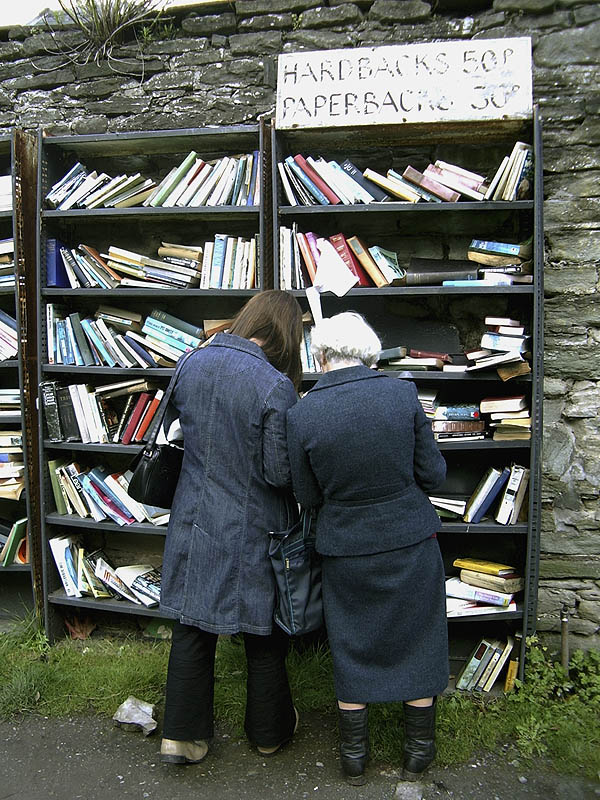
(274, 318)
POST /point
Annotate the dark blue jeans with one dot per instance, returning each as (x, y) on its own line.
(270, 716)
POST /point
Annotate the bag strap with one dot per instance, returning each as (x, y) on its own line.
(160, 412)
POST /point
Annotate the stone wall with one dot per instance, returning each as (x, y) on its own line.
(219, 67)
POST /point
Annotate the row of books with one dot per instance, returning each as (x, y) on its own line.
(117, 337)
(482, 587)
(500, 494)
(7, 257)
(91, 573)
(12, 465)
(194, 182)
(98, 493)
(225, 262)
(9, 340)
(309, 362)
(10, 402)
(6, 192)
(14, 543)
(316, 181)
(484, 666)
(82, 413)
(501, 418)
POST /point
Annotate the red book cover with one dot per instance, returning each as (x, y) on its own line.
(338, 240)
(307, 256)
(148, 416)
(136, 414)
(414, 176)
(316, 179)
(430, 354)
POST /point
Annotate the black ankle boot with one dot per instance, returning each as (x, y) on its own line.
(419, 739)
(354, 743)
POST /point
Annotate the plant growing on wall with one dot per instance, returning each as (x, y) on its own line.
(104, 24)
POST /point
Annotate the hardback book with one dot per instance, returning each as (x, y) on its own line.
(367, 261)
(458, 411)
(433, 271)
(507, 501)
(485, 493)
(56, 274)
(495, 360)
(443, 192)
(414, 353)
(455, 181)
(481, 565)
(501, 404)
(357, 190)
(506, 584)
(409, 363)
(66, 412)
(423, 193)
(400, 351)
(521, 250)
(50, 408)
(332, 178)
(339, 241)
(141, 404)
(496, 341)
(148, 416)
(462, 426)
(308, 184)
(466, 591)
(449, 504)
(378, 193)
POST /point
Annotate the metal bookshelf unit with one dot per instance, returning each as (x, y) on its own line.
(141, 230)
(16, 580)
(446, 319)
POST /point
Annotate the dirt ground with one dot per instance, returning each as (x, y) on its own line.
(89, 758)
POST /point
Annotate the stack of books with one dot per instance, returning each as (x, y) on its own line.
(14, 546)
(7, 263)
(118, 338)
(98, 493)
(10, 403)
(118, 413)
(12, 466)
(458, 422)
(91, 573)
(482, 668)
(509, 417)
(483, 587)
(6, 192)
(193, 182)
(9, 346)
(504, 346)
(503, 262)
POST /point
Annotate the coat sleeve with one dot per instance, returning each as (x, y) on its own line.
(304, 482)
(429, 463)
(276, 463)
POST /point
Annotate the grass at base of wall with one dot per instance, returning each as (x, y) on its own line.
(551, 715)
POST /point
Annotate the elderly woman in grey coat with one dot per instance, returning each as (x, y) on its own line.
(362, 452)
(231, 398)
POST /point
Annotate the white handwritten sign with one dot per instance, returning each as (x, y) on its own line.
(484, 79)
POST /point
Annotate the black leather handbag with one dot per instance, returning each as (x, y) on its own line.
(297, 569)
(157, 468)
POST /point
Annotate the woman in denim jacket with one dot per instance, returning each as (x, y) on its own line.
(362, 451)
(231, 399)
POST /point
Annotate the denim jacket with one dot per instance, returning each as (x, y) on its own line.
(235, 487)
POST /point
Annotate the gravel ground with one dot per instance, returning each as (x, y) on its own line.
(81, 758)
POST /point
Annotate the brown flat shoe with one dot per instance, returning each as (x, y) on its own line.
(173, 751)
(270, 751)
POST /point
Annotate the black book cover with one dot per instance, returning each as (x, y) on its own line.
(81, 339)
(50, 406)
(367, 185)
(432, 271)
(66, 412)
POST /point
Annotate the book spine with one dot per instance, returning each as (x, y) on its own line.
(316, 179)
(167, 339)
(378, 194)
(50, 406)
(414, 176)
(367, 261)
(306, 182)
(218, 261)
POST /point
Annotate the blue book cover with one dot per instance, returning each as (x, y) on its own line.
(62, 343)
(141, 351)
(154, 325)
(90, 488)
(218, 261)
(491, 495)
(8, 320)
(56, 274)
(98, 476)
(163, 337)
(175, 322)
(86, 324)
(306, 182)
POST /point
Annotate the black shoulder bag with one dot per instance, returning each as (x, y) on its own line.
(157, 468)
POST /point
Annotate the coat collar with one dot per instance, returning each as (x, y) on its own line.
(337, 377)
(238, 343)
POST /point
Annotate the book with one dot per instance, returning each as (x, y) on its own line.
(457, 607)
(148, 416)
(433, 271)
(458, 411)
(443, 192)
(465, 676)
(506, 584)
(503, 404)
(131, 573)
(387, 261)
(481, 565)
(142, 402)
(453, 180)
(485, 493)
(287, 186)
(466, 591)
(378, 194)
(107, 574)
(366, 260)
(172, 179)
(487, 681)
(507, 500)
(17, 533)
(308, 184)
(64, 549)
(316, 179)
(496, 341)
(392, 187)
(339, 241)
(50, 409)
(495, 360)
(518, 250)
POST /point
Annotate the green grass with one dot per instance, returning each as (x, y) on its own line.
(551, 715)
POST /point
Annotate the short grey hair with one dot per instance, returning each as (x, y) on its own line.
(345, 337)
